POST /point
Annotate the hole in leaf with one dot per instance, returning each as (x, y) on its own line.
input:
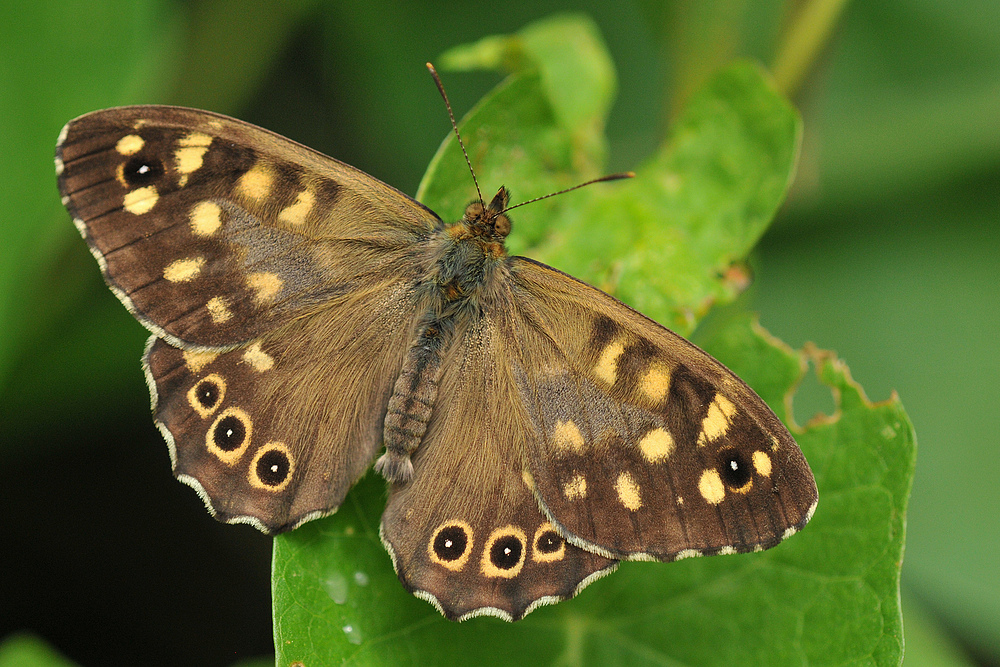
(812, 399)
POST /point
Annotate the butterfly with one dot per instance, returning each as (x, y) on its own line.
(308, 319)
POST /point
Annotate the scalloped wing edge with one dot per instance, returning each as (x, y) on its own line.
(154, 399)
(680, 555)
(490, 611)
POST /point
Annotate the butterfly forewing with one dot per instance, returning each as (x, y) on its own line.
(213, 231)
(642, 445)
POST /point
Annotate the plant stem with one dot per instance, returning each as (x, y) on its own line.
(807, 34)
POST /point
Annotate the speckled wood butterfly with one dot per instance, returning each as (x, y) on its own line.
(306, 315)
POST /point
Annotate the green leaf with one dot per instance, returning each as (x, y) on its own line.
(694, 211)
(46, 82)
(579, 82)
(841, 575)
(669, 243)
(25, 650)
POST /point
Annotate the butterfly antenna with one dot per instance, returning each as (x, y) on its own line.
(451, 115)
(609, 177)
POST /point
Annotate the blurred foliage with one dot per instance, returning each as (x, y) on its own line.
(886, 252)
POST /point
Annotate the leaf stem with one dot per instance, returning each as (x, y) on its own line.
(805, 37)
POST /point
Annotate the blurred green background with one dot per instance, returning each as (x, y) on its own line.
(887, 252)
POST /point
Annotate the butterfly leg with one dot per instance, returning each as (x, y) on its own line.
(411, 404)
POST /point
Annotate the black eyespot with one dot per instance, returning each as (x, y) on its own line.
(207, 394)
(734, 468)
(506, 552)
(142, 170)
(229, 433)
(450, 543)
(273, 467)
(548, 542)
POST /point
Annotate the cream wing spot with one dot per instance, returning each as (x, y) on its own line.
(628, 492)
(717, 421)
(206, 218)
(256, 183)
(195, 361)
(567, 437)
(265, 286)
(258, 359)
(762, 463)
(657, 445)
(130, 144)
(606, 367)
(190, 153)
(711, 488)
(184, 270)
(141, 200)
(192, 148)
(655, 383)
(219, 310)
(575, 488)
(195, 139)
(297, 212)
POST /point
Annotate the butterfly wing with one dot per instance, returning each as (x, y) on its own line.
(642, 446)
(466, 533)
(278, 284)
(275, 433)
(213, 231)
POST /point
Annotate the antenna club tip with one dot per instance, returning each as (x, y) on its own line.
(430, 67)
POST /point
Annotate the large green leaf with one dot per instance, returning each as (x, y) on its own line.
(25, 650)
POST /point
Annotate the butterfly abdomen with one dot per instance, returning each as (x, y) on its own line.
(469, 253)
(411, 404)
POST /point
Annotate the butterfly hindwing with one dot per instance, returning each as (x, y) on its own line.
(275, 433)
(643, 446)
(467, 533)
(213, 231)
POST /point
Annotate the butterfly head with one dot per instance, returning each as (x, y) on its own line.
(489, 222)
